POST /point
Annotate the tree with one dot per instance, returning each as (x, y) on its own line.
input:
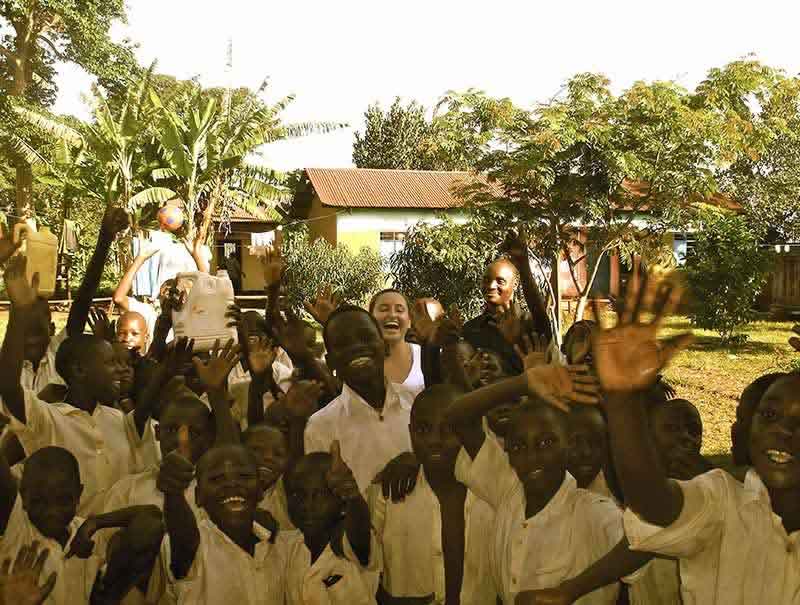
(310, 265)
(725, 271)
(758, 113)
(445, 260)
(68, 30)
(590, 158)
(394, 140)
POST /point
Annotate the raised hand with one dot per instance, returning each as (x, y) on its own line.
(302, 399)
(20, 292)
(214, 372)
(261, 355)
(509, 323)
(533, 350)
(324, 304)
(82, 545)
(629, 357)
(20, 584)
(177, 471)
(399, 477)
(101, 326)
(115, 221)
(339, 477)
(179, 356)
(425, 312)
(562, 385)
(515, 246)
(447, 329)
(273, 266)
(290, 333)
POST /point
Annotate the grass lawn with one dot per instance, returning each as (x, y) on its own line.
(707, 374)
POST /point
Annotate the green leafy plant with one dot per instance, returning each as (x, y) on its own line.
(444, 260)
(725, 270)
(313, 264)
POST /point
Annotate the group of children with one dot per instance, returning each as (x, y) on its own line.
(422, 460)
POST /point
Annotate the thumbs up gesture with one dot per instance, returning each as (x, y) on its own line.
(340, 477)
(177, 471)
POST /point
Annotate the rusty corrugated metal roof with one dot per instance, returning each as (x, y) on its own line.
(378, 188)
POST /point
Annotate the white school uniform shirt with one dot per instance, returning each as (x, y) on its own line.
(659, 581)
(140, 490)
(99, 441)
(276, 504)
(305, 581)
(46, 374)
(732, 548)
(223, 573)
(75, 576)
(410, 533)
(369, 439)
(574, 529)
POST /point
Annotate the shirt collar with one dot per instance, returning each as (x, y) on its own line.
(354, 404)
(754, 488)
(557, 502)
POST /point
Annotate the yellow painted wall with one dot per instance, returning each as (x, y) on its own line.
(322, 221)
(355, 240)
(251, 267)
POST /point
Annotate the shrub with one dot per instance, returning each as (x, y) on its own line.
(725, 271)
(444, 260)
(312, 264)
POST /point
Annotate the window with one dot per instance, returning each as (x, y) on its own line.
(391, 242)
(682, 244)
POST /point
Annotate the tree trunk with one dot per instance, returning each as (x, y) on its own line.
(555, 284)
(25, 40)
(24, 185)
(581, 308)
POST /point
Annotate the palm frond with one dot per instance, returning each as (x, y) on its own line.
(152, 195)
(51, 126)
(302, 129)
(162, 174)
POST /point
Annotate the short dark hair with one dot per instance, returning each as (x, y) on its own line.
(373, 301)
(341, 310)
(433, 397)
(77, 349)
(51, 460)
(534, 406)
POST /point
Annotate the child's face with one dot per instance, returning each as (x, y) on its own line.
(195, 418)
(51, 502)
(536, 445)
(498, 284)
(313, 507)
(271, 450)
(775, 435)
(104, 374)
(677, 432)
(588, 444)
(356, 349)
(38, 333)
(433, 440)
(123, 357)
(132, 332)
(392, 314)
(227, 487)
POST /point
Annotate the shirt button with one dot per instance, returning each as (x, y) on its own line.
(525, 525)
(513, 580)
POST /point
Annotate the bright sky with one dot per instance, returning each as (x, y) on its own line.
(338, 57)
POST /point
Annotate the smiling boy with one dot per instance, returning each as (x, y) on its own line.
(370, 418)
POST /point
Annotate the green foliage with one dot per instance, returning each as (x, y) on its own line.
(757, 112)
(394, 139)
(725, 271)
(445, 260)
(312, 264)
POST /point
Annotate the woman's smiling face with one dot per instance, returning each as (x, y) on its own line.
(393, 316)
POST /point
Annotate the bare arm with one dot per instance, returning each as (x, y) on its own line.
(184, 536)
(8, 493)
(621, 561)
(126, 283)
(114, 221)
(214, 375)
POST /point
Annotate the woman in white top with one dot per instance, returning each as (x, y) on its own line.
(403, 364)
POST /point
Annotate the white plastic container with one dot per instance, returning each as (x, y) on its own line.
(41, 250)
(203, 315)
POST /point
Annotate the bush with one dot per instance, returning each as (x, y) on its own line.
(312, 264)
(446, 261)
(725, 271)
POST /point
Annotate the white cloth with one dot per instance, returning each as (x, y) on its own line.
(305, 584)
(574, 529)
(224, 573)
(36, 381)
(599, 486)
(99, 441)
(369, 439)
(276, 504)
(415, 381)
(410, 533)
(75, 576)
(732, 548)
(175, 258)
(140, 490)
